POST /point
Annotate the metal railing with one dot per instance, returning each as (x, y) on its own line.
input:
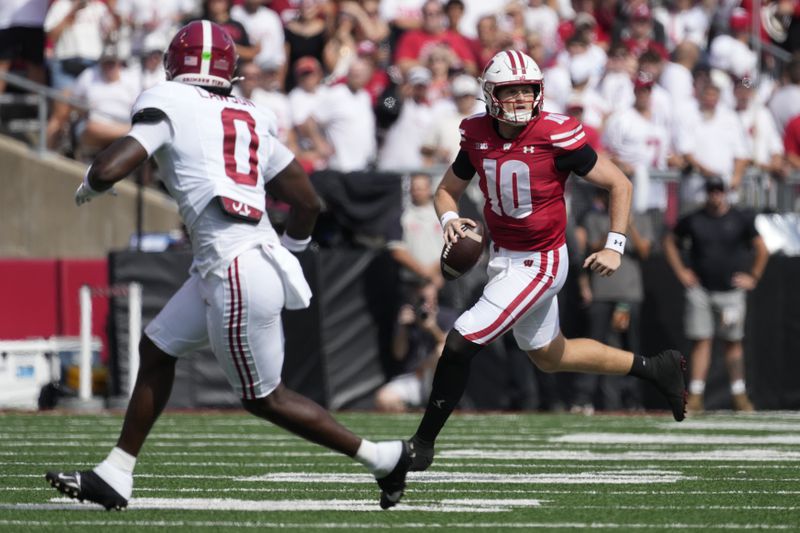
(39, 95)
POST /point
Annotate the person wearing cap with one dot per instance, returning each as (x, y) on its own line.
(595, 108)
(638, 144)
(731, 52)
(402, 145)
(109, 89)
(76, 29)
(442, 141)
(717, 277)
(640, 34)
(150, 66)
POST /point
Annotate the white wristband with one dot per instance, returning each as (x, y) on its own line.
(616, 241)
(447, 217)
(294, 245)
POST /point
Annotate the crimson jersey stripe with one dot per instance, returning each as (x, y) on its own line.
(239, 332)
(496, 328)
(231, 343)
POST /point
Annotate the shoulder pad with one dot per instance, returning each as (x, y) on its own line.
(148, 115)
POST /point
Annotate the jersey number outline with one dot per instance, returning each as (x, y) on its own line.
(509, 187)
(230, 141)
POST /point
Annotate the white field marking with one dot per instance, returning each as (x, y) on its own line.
(654, 438)
(525, 526)
(735, 425)
(273, 439)
(481, 491)
(461, 505)
(621, 477)
(685, 456)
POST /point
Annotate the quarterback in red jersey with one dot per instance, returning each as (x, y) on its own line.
(523, 157)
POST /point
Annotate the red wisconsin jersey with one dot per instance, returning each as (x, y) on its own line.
(524, 191)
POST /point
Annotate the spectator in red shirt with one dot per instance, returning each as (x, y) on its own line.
(413, 45)
(791, 142)
(488, 42)
(640, 35)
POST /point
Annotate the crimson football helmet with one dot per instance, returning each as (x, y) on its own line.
(202, 53)
(512, 67)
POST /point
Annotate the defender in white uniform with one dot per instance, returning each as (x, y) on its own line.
(217, 154)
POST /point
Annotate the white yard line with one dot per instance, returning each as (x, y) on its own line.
(683, 439)
(529, 526)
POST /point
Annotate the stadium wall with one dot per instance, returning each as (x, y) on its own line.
(40, 219)
(336, 351)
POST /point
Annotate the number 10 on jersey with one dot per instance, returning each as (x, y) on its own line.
(509, 187)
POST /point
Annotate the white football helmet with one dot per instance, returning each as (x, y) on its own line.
(511, 67)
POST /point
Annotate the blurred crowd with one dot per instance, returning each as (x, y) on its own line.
(670, 84)
(707, 89)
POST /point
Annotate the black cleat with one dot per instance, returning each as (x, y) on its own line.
(87, 485)
(421, 454)
(668, 369)
(394, 484)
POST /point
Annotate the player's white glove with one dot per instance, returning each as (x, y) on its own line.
(85, 192)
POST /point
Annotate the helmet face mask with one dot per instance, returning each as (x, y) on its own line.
(203, 54)
(511, 68)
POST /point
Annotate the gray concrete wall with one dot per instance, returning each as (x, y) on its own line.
(39, 218)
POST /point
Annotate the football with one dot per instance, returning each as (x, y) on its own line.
(457, 258)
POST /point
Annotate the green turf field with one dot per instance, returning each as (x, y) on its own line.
(493, 472)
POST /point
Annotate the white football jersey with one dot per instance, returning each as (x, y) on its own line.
(218, 146)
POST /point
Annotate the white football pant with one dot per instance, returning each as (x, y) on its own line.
(239, 315)
(520, 295)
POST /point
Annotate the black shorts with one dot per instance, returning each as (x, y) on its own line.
(22, 43)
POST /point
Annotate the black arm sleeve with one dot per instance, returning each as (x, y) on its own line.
(149, 115)
(581, 161)
(462, 166)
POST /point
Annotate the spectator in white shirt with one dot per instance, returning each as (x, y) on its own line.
(109, 90)
(719, 148)
(638, 144)
(732, 53)
(595, 108)
(785, 103)
(402, 146)
(77, 29)
(683, 21)
(150, 67)
(264, 27)
(342, 125)
(442, 141)
(302, 100)
(22, 37)
(764, 143)
(677, 75)
(542, 20)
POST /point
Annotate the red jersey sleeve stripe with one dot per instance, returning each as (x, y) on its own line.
(559, 136)
(570, 142)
